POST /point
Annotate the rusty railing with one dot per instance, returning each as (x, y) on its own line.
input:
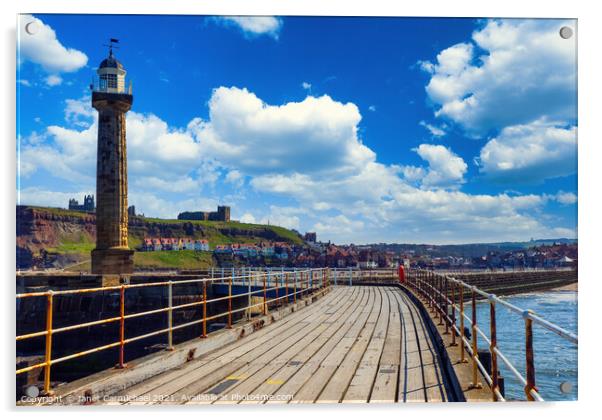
(442, 292)
(302, 282)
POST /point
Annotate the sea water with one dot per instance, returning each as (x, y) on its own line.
(555, 357)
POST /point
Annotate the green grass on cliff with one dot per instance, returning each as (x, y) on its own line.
(183, 260)
(75, 244)
(217, 231)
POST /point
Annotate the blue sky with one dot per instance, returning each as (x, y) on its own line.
(362, 129)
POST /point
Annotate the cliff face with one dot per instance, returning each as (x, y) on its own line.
(41, 233)
(48, 237)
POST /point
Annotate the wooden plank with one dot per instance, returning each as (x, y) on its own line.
(209, 374)
(361, 384)
(299, 352)
(386, 382)
(302, 375)
(411, 383)
(430, 364)
(314, 386)
(248, 343)
(340, 379)
(429, 360)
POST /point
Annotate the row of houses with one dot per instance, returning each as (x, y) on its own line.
(280, 250)
(174, 244)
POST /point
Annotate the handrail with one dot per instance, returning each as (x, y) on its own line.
(302, 283)
(434, 289)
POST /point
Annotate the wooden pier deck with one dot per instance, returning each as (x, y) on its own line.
(357, 344)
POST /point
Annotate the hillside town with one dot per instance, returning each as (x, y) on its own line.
(319, 254)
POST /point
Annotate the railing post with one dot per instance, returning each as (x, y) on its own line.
(446, 304)
(249, 290)
(475, 352)
(277, 286)
(439, 283)
(204, 334)
(295, 289)
(229, 302)
(453, 314)
(530, 361)
(492, 348)
(48, 350)
(335, 276)
(286, 288)
(170, 315)
(462, 350)
(265, 295)
(121, 363)
(350, 277)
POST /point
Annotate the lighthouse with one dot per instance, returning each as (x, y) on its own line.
(112, 100)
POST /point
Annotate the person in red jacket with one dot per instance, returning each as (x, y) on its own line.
(402, 275)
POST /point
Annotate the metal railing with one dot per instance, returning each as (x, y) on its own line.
(351, 276)
(296, 284)
(100, 85)
(445, 295)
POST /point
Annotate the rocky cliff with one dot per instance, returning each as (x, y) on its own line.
(51, 237)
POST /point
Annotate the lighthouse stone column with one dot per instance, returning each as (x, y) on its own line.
(112, 255)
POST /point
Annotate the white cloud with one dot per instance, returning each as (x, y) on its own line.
(45, 49)
(235, 178)
(307, 153)
(255, 25)
(372, 108)
(306, 85)
(53, 80)
(283, 216)
(248, 218)
(525, 71)
(79, 111)
(445, 170)
(530, 153)
(339, 226)
(24, 82)
(257, 138)
(159, 157)
(434, 130)
(41, 197)
(566, 198)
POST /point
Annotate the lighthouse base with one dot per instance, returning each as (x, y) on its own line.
(112, 261)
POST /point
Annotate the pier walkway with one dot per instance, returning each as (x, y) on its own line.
(357, 344)
(305, 336)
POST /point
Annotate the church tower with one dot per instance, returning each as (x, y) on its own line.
(111, 99)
